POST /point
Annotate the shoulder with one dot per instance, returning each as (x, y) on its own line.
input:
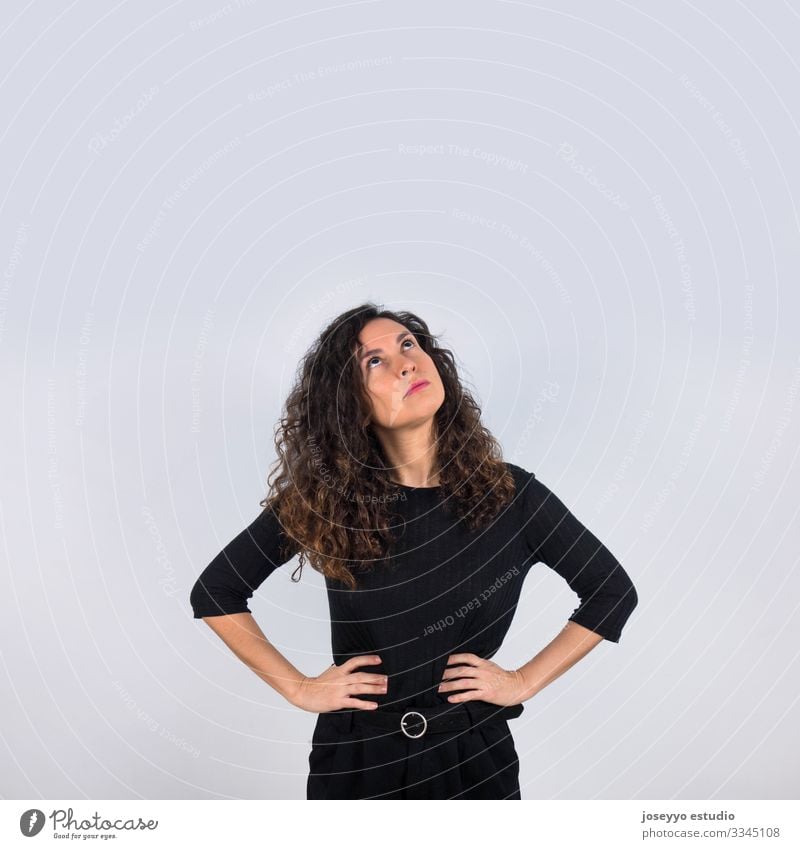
(521, 475)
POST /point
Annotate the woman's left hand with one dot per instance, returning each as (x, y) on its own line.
(484, 679)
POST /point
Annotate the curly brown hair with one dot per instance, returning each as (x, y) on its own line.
(331, 486)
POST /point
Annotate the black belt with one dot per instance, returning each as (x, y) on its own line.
(415, 722)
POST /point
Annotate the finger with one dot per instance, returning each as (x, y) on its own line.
(365, 687)
(369, 678)
(458, 684)
(471, 695)
(461, 672)
(360, 703)
(464, 657)
(360, 660)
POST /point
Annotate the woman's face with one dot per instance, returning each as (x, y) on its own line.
(391, 360)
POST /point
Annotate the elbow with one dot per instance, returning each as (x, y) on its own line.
(622, 588)
(208, 600)
(614, 611)
(630, 598)
(198, 599)
(625, 605)
(626, 602)
(203, 601)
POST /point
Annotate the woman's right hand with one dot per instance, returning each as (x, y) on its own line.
(337, 685)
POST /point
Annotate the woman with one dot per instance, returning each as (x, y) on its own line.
(391, 487)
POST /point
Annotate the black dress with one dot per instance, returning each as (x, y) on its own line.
(444, 589)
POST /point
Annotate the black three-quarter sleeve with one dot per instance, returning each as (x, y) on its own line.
(556, 537)
(231, 578)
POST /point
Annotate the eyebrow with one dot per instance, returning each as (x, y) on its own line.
(380, 350)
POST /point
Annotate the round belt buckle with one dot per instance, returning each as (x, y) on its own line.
(403, 726)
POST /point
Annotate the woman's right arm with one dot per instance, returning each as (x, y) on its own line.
(241, 634)
(335, 688)
(219, 597)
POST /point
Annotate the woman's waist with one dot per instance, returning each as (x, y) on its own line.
(414, 720)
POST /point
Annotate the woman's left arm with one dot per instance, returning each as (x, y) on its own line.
(555, 536)
(571, 644)
(485, 680)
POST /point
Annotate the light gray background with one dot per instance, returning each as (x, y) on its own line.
(192, 190)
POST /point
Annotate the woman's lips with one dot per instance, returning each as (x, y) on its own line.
(417, 386)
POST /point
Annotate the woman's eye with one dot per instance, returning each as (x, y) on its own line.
(410, 341)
